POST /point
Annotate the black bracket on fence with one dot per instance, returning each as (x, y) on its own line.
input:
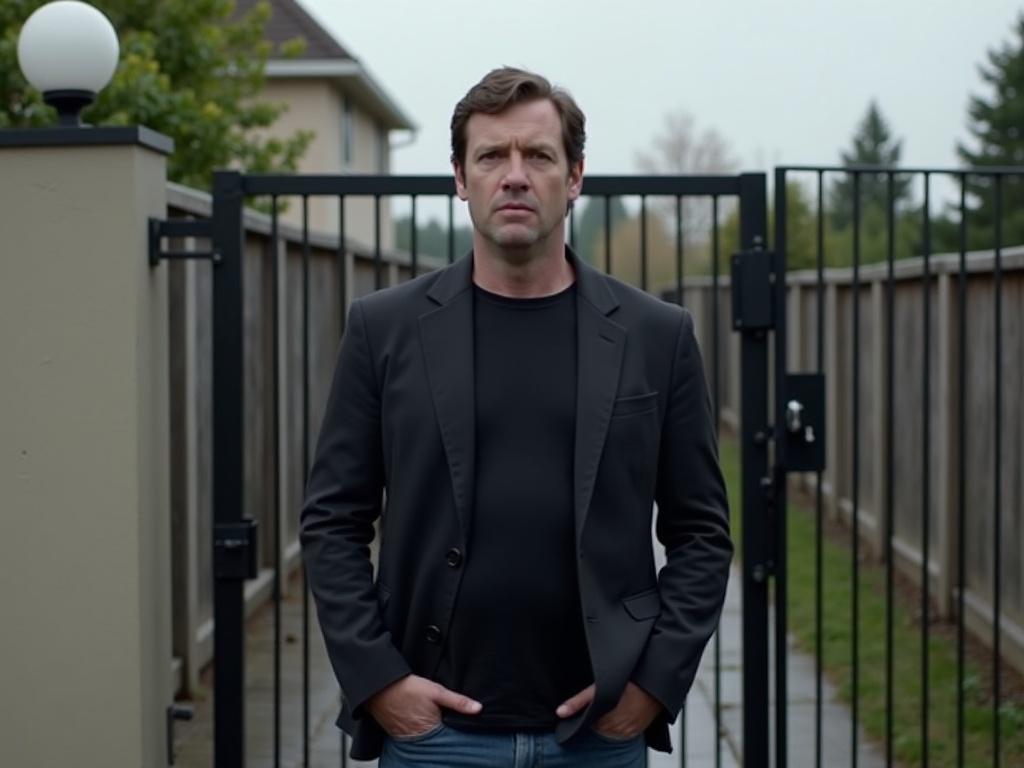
(753, 296)
(161, 228)
(234, 550)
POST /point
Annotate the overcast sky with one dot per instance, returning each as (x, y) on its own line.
(782, 82)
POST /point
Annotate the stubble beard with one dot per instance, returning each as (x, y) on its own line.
(515, 244)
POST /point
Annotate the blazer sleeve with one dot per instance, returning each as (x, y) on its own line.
(693, 526)
(343, 499)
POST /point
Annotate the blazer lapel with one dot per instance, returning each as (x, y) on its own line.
(446, 334)
(599, 347)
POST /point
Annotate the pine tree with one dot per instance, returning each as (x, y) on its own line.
(996, 124)
(873, 144)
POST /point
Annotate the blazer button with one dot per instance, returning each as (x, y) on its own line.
(433, 634)
(454, 557)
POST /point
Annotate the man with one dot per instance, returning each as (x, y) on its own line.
(523, 413)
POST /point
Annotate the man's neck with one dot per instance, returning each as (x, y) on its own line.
(522, 275)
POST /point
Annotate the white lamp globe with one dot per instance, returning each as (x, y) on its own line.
(68, 50)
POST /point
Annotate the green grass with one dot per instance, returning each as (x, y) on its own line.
(837, 644)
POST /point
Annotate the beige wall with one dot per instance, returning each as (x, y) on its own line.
(318, 104)
(85, 651)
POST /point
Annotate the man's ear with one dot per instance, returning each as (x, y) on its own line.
(460, 181)
(575, 185)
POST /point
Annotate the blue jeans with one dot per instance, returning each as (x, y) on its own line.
(445, 747)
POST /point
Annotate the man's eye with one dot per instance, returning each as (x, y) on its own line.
(488, 155)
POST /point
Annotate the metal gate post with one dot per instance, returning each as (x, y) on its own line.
(747, 307)
(229, 532)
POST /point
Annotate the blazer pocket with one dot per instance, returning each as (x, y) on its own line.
(645, 605)
(629, 406)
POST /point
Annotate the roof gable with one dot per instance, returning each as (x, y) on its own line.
(289, 20)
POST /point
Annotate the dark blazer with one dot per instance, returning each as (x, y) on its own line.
(400, 419)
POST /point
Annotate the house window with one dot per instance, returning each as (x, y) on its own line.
(347, 135)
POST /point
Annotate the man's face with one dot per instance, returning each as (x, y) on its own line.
(516, 177)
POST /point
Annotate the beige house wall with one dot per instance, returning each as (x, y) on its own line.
(318, 104)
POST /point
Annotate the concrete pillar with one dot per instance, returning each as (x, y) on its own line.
(84, 451)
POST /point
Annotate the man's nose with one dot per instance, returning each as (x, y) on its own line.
(515, 178)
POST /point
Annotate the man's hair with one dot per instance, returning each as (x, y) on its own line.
(503, 88)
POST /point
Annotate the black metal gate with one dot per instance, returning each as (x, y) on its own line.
(897, 296)
(781, 431)
(757, 301)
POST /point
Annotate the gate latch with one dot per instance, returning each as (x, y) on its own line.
(804, 422)
(234, 550)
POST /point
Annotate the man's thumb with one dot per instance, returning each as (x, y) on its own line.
(457, 701)
(571, 706)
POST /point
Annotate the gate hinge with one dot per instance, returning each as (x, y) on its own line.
(161, 228)
(234, 550)
(753, 290)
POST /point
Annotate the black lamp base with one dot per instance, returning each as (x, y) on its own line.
(69, 104)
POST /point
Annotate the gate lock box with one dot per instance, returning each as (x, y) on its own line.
(803, 422)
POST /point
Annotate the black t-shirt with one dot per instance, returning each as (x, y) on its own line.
(516, 642)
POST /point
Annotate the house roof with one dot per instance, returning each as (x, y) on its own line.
(324, 58)
(289, 20)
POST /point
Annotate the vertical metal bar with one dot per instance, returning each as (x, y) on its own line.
(997, 560)
(572, 226)
(926, 393)
(779, 475)
(342, 266)
(855, 607)
(305, 471)
(890, 484)
(754, 457)
(275, 314)
(378, 261)
(679, 250)
(607, 235)
(819, 507)
(343, 316)
(961, 418)
(643, 242)
(778, 472)
(451, 229)
(716, 376)
(682, 736)
(413, 267)
(228, 471)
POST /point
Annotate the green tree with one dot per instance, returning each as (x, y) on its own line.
(873, 144)
(801, 232)
(996, 124)
(189, 68)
